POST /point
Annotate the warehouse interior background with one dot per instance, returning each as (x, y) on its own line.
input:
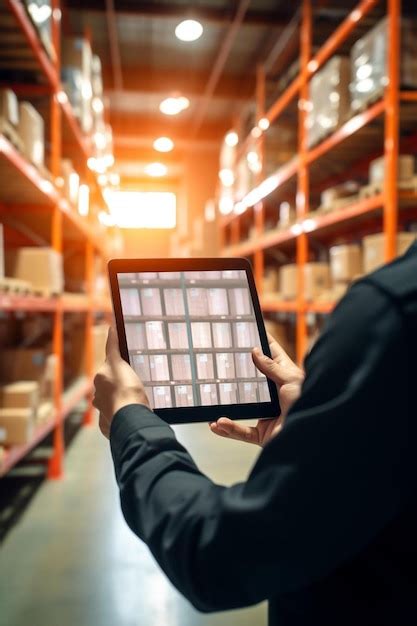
(283, 132)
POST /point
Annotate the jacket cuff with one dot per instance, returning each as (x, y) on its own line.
(131, 419)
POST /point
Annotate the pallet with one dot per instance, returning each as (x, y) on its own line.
(14, 286)
(8, 130)
(368, 191)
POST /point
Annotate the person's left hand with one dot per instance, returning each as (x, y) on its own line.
(116, 385)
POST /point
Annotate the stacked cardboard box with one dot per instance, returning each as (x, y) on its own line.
(228, 393)
(201, 334)
(205, 366)
(32, 133)
(184, 395)
(316, 280)
(345, 263)
(208, 394)
(373, 249)
(41, 267)
(162, 397)
(130, 302)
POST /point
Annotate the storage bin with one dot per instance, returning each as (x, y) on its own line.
(240, 301)
(181, 367)
(201, 334)
(177, 335)
(225, 365)
(155, 335)
(135, 336)
(205, 366)
(264, 395)
(197, 301)
(222, 335)
(217, 302)
(151, 301)
(248, 392)
(246, 335)
(140, 363)
(245, 367)
(174, 302)
(228, 393)
(208, 394)
(162, 397)
(130, 301)
(159, 367)
(183, 395)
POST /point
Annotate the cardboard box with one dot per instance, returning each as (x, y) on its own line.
(23, 364)
(245, 335)
(183, 395)
(159, 367)
(181, 367)
(240, 301)
(270, 281)
(9, 108)
(151, 301)
(405, 169)
(136, 337)
(286, 215)
(217, 302)
(248, 392)
(225, 365)
(329, 97)
(228, 393)
(16, 426)
(20, 395)
(288, 281)
(174, 302)
(44, 412)
(76, 73)
(316, 280)
(130, 301)
(222, 335)
(280, 332)
(177, 332)
(41, 267)
(197, 301)
(140, 363)
(32, 133)
(245, 367)
(155, 336)
(373, 249)
(208, 394)
(345, 262)
(331, 195)
(205, 366)
(201, 334)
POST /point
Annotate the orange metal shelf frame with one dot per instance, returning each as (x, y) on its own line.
(28, 190)
(386, 111)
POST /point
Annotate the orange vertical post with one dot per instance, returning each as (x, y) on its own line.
(55, 469)
(303, 187)
(392, 129)
(259, 208)
(89, 322)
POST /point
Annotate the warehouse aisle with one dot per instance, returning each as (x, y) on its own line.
(72, 560)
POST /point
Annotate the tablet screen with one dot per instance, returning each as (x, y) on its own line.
(190, 335)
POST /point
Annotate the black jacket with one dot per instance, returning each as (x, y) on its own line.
(325, 527)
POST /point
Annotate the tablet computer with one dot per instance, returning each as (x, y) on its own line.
(187, 327)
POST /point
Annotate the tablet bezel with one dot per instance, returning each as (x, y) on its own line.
(183, 415)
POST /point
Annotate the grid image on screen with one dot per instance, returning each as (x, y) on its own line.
(190, 337)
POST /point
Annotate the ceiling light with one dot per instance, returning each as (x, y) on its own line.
(226, 204)
(189, 30)
(231, 139)
(156, 169)
(163, 144)
(263, 123)
(227, 177)
(174, 105)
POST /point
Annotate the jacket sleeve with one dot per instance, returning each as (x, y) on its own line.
(338, 472)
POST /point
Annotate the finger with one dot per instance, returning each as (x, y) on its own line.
(275, 370)
(112, 345)
(225, 427)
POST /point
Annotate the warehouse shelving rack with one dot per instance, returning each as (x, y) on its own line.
(395, 110)
(29, 198)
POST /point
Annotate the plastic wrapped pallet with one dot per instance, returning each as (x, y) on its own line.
(155, 335)
(16, 426)
(177, 332)
(135, 336)
(162, 397)
(208, 394)
(245, 367)
(222, 335)
(374, 249)
(181, 367)
(32, 133)
(41, 267)
(248, 392)
(369, 60)
(228, 393)
(245, 335)
(225, 365)
(405, 169)
(205, 366)
(329, 97)
(159, 367)
(183, 395)
(151, 301)
(240, 301)
(345, 262)
(174, 302)
(140, 363)
(201, 334)
(130, 302)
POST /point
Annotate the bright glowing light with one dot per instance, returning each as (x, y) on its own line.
(86, 90)
(263, 123)
(312, 65)
(102, 180)
(114, 178)
(231, 139)
(363, 86)
(100, 140)
(256, 132)
(226, 205)
(108, 160)
(239, 208)
(189, 30)
(364, 71)
(74, 185)
(106, 218)
(62, 97)
(163, 144)
(39, 14)
(156, 170)
(59, 182)
(309, 225)
(83, 200)
(174, 105)
(227, 177)
(134, 209)
(356, 15)
(98, 105)
(210, 211)
(252, 157)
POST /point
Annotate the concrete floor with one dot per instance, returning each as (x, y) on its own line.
(72, 561)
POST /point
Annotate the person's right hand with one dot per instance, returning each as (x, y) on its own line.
(288, 378)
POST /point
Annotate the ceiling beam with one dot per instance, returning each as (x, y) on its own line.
(146, 79)
(255, 17)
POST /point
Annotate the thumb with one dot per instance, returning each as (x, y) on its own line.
(112, 345)
(271, 369)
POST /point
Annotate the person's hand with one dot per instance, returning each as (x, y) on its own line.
(116, 385)
(288, 379)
